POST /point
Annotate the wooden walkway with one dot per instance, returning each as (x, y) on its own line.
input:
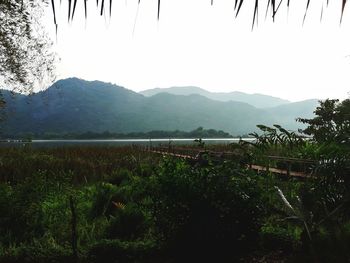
(197, 155)
(259, 168)
(178, 155)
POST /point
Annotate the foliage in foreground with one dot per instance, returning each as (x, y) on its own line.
(129, 214)
(210, 213)
(147, 212)
(132, 207)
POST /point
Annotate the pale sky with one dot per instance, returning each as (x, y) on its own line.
(201, 45)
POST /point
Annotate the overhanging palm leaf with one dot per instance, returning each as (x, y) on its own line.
(271, 4)
(158, 9)
(342, 10)
(307, 7)
(255, 17)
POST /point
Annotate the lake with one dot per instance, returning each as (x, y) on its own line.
(119, 142)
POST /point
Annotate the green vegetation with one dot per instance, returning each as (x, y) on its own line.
(77, 106)
(125, 205)
(200, 132)
(23, 66)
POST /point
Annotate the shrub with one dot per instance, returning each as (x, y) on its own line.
(122, 251)
(121, 176)
(102, 196)
(280, 237)
(129, 223)
(206, 213)
(36, 254)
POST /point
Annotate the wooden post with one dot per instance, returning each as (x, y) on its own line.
(74, 239)
(268, 165)
(288, 168)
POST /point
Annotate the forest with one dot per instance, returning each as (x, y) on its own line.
(200, 132)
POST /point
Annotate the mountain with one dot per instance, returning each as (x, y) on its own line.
(75, 105)
(256, 100)
(171, 112)
(286, 114)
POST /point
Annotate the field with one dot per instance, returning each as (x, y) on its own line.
(120, 204)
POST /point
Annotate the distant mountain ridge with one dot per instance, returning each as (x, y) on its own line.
(256, 100)
(78, 106)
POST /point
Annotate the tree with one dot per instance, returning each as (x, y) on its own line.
(26, 60)
(331, 123)
(330, 130)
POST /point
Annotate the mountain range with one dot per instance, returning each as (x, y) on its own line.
(76, 105)
(256, 100)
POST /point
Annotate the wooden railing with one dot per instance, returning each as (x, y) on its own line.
(305, 165)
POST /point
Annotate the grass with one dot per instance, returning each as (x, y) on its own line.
(86, 163)
(131, 206)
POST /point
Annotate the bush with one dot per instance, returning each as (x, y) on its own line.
(129, 223)
(36, 254)
(119, 177)
(6, 194)
(206, 213)
(102, 196)
(332, 244)
(23, 205)
(275, 237)
(122, 251)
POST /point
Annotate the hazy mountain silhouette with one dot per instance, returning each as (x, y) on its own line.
(256, 100)
(285, 113)
(75, 105)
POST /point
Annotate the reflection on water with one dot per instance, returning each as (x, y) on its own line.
(119, 142)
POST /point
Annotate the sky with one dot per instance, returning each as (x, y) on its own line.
(196, 44)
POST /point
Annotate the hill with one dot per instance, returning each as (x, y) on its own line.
(286, 114)
(256, 100)
(78, 106)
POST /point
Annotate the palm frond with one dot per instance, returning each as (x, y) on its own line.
(271, 5)
(267, 8)
(278, 6)
(69, 9)
(307, 7)
(342, 10)
(74, 6)
(54, 11)
(158, 9)
(255, 17)
(239, 7)
(54, 15)
(85, 9)
(102, 7)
